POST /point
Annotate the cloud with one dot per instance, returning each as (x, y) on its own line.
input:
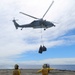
(58, 61)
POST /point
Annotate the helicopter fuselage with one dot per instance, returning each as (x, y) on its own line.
(41, 24)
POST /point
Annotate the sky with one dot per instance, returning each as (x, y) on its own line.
(21, 46)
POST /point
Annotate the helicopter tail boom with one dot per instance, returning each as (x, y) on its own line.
(16, 24)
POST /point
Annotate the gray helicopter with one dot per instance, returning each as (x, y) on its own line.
(39, 23)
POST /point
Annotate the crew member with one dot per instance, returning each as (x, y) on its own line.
(44, 70)
(16, 70)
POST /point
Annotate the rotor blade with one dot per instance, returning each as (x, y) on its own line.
(48, 9)
(29, 15)
(54, 22)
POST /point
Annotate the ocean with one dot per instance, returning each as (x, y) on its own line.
(64, 67)
(61, 67)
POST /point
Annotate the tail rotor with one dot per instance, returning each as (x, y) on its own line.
(15, 23)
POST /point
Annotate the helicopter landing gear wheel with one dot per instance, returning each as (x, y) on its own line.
(44, 28)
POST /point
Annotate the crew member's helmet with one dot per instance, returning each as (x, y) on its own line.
(16, 66)
(46, 66)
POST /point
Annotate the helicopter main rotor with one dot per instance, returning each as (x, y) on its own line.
(29, 15)
(43, 15)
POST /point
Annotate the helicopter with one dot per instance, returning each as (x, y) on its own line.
(39, 23)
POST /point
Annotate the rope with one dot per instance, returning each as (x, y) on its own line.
(42, 41)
